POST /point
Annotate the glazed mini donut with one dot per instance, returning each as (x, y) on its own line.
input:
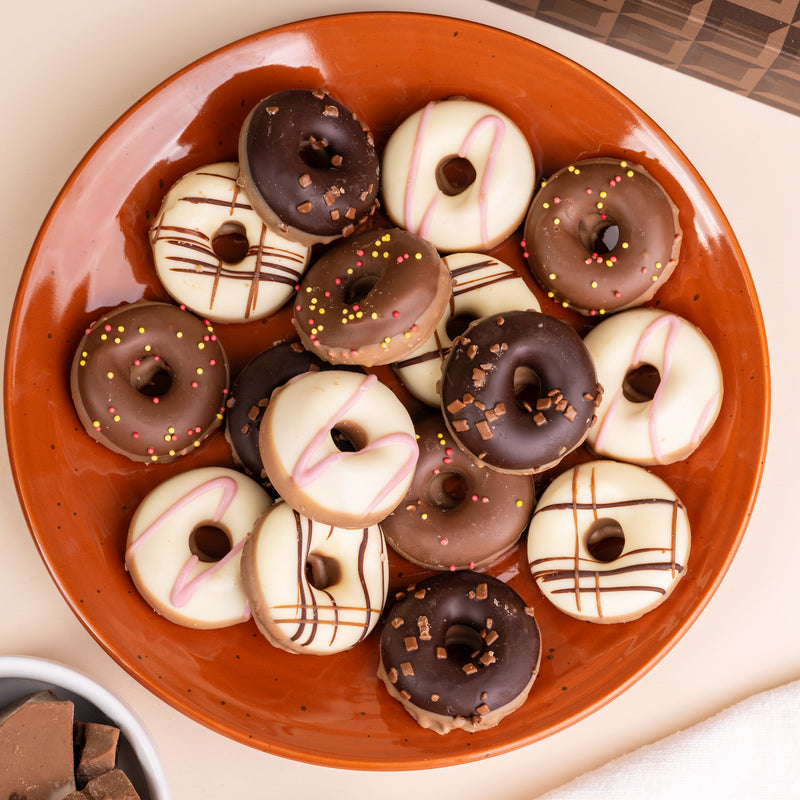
(459, 650)
(601, 236)
(149, 380)
(456, 515)
(664, 386)
(481, 286)
(353, 485)
(250, 395)
(458, 173)
(214, 254)
(308, 165)
(185, 542)
(608, 541)
(372, 298)
(314, 588)
(519, 391)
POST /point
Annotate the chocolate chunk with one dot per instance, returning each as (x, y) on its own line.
(305, 180)
(96, 749)
(305, 208)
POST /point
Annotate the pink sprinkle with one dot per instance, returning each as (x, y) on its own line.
(135, 435)
(155, 400)
(484, 499)
(443, 540)
(395, 314)
(213, 337)
(189, 432)
(213, 362)
(356, 306)
(298, 308)
(327, 294)
(311, 322)
(111, 409)
(359, 252)
(359, 263)
(107, 327)
(338, 281)
(556, 199)
(613, 259)
(523, 244)
(452, 568)
(414, 328)
(617, 293)
(150, 450)
(644, 270)
(156, 358)
(197, 429)
(194, 384)
(474, 498)
(472, 565)
(588, 191)
(448, 451)
(436, 470)
(447, 460)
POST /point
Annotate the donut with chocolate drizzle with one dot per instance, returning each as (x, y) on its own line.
(456, 515)
(308, 165)
(149, 380)
(519, 391)
(459, 650)
(602, 235)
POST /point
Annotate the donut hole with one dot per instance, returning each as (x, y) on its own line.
(457, 324)
(527, 388)
(454, 175)
(605, 540)
(317, 153)
(209, 543)
(322, 571)
(447, 490)
(358, 289)
(348, 437)
(462, 643)
(598, 235)
(230, 243)
(641, 383)
(151, 376)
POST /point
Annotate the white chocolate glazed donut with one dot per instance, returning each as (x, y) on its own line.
(458, 173)
(246, 280)
(165, 554)
(347, 488)
(608, 541)
(481, 286)
(314, 588)
(668, 425)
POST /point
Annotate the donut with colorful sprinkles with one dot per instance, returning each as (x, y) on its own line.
(149, 380)
(373, 298)
(602, 235)
(456, 515)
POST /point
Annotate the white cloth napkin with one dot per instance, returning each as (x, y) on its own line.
(750, 750)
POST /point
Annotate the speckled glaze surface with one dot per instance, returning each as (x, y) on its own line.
(92, 254)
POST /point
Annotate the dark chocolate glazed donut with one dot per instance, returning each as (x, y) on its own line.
(251, 392)
(602, 235)
(459, 650)
(519, 391)
(456, 515)
(308, 165)
(372, 298)
(149, 380)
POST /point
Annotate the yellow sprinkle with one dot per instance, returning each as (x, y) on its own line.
(603, 194)
(386, 254)
(577, 172)
(387, 339)
(82, 363)
(658, 265)
(154, 458)
(545, 205)
(601, 311)
(167, 437)
(594, 284)
(519, 503)
(109, 375)
(199, 370)
(551, 295)
(103, 336)
(571, 168)
(423, 516)
(84, 354)
(320, 327)
(196, 442)
(374, 315)
(552, 276)
(359, 314)
(655, 277)
(349, 270)
(147, 348)
(374, 253)
(609, 263)
(309, 289)
(407, 334)
(418, 256)
(141, 330)
(623, 164)
(564, 304)
(386, 237)
(172, 452)
(116, 417)
(219, 416)
(624, 245)
(599, 205)
(320, 310)
(117, 340)
(201, 345)
(556, 221)
(120, 328)
(170, 430)
(629, 173)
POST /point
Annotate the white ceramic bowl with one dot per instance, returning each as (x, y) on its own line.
(22, 675)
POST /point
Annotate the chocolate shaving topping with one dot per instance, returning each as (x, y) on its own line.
(492, 637)
(543, 403)
(329, 197)
(392, 675)
(570, 413)
(407, 668)
(483, 709)
(460, 425)
(305, 208)
(482, 591)
(330, 111)
(411, 643)
(350, 213)
(484, 429)
(441, 653)
(469, 668)
(336, 161)
(539, 418)
(455, 407)
(305, 180)
(397, 622)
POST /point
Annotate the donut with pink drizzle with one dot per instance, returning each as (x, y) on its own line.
(185, 542)
(149, 380)
(339, 447)
(314, 588)
(459, 173)
(663, 386)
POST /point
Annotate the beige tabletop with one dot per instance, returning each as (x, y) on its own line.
(69, 69)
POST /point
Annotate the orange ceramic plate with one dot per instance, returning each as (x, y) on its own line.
(92, 254)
